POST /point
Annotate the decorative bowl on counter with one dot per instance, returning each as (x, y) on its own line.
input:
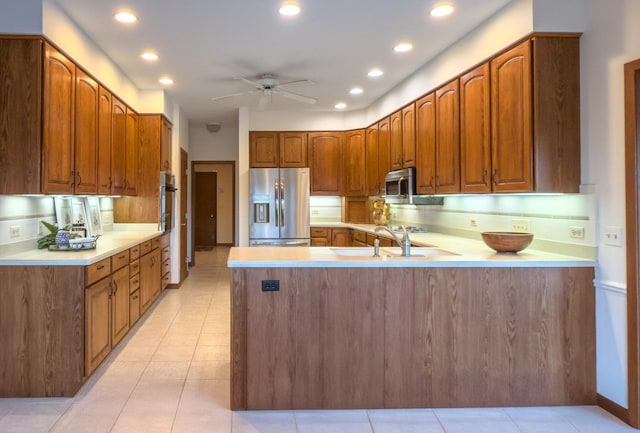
(507, 242)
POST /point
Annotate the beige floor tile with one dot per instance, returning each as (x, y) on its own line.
(209, 370)
(173, 353)
(136, 352)
(214, 339)
(167, 369)
(212, 353)
(180, 339)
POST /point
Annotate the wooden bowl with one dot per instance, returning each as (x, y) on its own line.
(507, 242)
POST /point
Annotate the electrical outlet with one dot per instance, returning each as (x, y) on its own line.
(521, 225)
(315, 212)
(270, 285)
(613, 236)
(15, 231)
(39, 228)
(473, 222)
(576, 232)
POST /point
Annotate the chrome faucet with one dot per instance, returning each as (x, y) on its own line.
(404, 243)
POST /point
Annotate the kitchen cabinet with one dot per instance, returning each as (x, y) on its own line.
(326, 163)
(118, 146)
(395, 140)
(535, 116)
(340, 237)
(293, 149)
(86, 134)
(320, 236)
(409, 136)
(150, 277)
(384, 241)
(384, 157)
(134, 284)
(426, 145)
(355, 210)
(330, 237)
(133, 152)
(447, 138)
(105, 121)
(355, 162)
(106, 308)
(165, 257)
(58, 123)
(358, 238)
(475, 130)
(165, 144)
(372, 160)
(263, 149)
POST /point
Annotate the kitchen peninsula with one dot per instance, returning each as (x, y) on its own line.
(460, 327)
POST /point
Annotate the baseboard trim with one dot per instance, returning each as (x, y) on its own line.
(613, 408)
(174, 286)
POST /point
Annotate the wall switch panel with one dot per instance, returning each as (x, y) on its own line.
(613, 236)
(521, 225)
(15, 231)
(473, 222)
(576, 232)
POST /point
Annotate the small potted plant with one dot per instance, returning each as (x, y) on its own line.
(50, 238)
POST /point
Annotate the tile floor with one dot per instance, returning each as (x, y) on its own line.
(171, 375)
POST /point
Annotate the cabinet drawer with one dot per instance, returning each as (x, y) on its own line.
(145, 247)
(165, 254)
(134, 253)
(134, 307)
(360, 236)
(165, 240)
(319, 232)
(134, 283)
(156, 242)
(134, 268)
(119, 260)
(166, 267)
(319, 242)
(165, 281)
(386, 242)
(98, 271)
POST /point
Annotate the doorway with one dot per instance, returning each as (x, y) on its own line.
(205, 205)
(184, 181)
(632, 184)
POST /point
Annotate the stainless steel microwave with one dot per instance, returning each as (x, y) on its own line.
(400, 185)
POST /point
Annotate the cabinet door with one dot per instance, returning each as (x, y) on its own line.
(86, 134)
(384, 161)
(58, 128)
(132, 153)
(105, 120)
(326, 163)
(447, 138)
(150, 278)
(409, 136)
(263, 149)
(119, 305)
(426, 145)
(475, 127)
(293, 149)
(511, 132)
(165, 145)
(97, 323)
(372, 180)
(395, 137)
(355, 149)
(118, 146)
(341, 237)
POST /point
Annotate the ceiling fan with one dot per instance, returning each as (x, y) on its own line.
(267, 85)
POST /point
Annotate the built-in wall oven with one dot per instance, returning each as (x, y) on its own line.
(167, 192)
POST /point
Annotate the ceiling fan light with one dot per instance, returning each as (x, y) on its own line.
(441, 10)
(289, 9)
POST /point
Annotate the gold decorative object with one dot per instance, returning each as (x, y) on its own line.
(381, 212)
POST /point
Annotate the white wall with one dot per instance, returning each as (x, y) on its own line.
(24, 16)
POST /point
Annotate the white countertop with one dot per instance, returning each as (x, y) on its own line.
(107, 245)
(466, 253)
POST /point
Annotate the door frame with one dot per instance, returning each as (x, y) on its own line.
(232, 164)
(632, 184)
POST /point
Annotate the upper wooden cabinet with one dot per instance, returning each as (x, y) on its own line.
(409, 136)
(426, 145)
(293, 149)
(372, 158)
(355, 163)
(535, 116)
(384, 157)
(165, 144)
(118, 146)
(395, 140)
(132, 148)
(475, 131)
(326, 162)
(87, 99)
(447, 138)
(278, 149)
(105, 121)
(58, 127)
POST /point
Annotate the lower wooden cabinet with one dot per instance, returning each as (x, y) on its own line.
(165, 257)
(330, 237)
(150, 278)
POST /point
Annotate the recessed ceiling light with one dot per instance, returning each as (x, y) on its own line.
(403, 47)
(356, 91)
(289, 9)
(149, 55)
(167, 81)
(340, 105)
(375, 73)
(126, 17)
(441, 9)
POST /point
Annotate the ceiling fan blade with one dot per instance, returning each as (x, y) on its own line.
(296, 97)
(217, 98)
(246, 80)
(297, 82)
(264, 102)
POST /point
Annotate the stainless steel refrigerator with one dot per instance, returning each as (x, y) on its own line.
(279, 207)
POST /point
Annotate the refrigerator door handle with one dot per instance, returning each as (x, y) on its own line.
(277, 201)
(281, 203)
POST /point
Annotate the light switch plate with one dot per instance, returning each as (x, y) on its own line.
(613, 236)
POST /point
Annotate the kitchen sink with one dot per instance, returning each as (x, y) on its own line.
(393, 253)
(353, 252)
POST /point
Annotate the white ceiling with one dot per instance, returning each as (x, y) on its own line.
(203, 44)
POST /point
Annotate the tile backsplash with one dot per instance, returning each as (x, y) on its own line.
(20, 217)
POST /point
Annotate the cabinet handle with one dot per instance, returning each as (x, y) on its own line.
(79, 178)
(101, 267)
(495, 177)
(122, 256)
(484, 176)
(115, 290)
(135, 297)
(431, 182)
